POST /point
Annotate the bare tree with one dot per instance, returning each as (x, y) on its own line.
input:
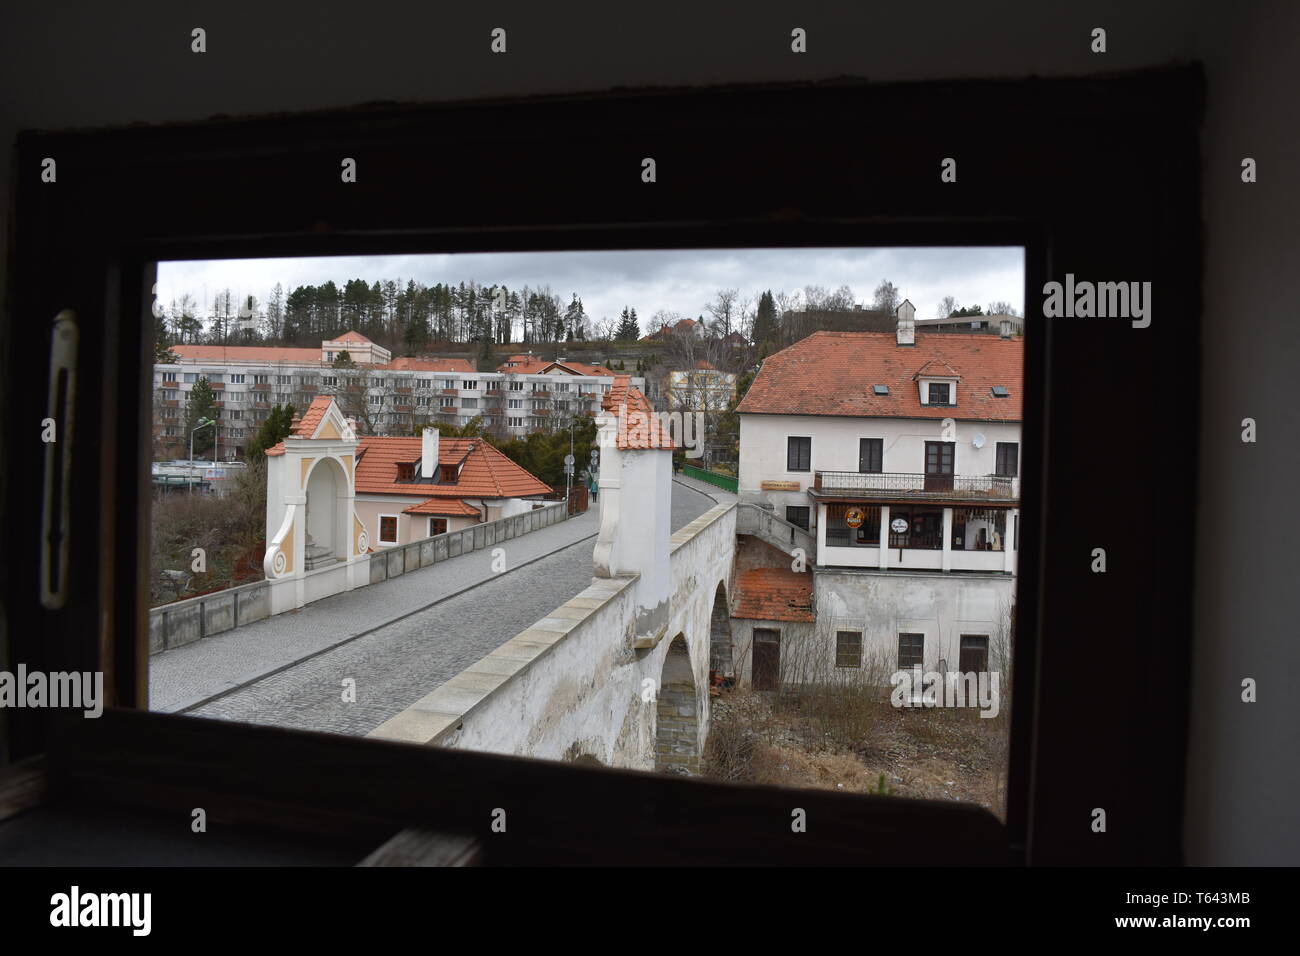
(886, 297)
(723, 309)
(1000, 308)
(947, 306)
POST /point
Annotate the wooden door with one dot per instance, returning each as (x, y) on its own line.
(939, 457)
(767, 658)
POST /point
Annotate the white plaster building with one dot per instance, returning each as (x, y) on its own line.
(900, 453)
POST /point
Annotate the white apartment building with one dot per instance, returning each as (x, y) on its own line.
(399, 395)
(899, 454)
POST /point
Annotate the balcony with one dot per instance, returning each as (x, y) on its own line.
(894, 486)
(493, 393)
(262, 387)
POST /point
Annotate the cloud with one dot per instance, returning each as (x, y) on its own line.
(678, 280)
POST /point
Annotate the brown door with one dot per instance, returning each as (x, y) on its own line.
(939, 465)
(767, 658)
(974, 653)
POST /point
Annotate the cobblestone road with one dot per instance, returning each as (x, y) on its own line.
(400, 662)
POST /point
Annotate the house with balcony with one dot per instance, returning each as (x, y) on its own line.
(888, 466)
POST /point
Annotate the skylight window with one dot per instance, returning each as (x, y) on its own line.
(880, 389)
(1000, 391)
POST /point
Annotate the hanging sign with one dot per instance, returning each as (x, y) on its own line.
(854, 517)
(898, 526)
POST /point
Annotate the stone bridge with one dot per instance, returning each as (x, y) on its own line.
(619, 674)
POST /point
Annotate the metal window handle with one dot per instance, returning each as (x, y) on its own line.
(57, 504)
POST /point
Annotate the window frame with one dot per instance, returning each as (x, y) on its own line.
(790, 454)
(397, 529)
(106, 274)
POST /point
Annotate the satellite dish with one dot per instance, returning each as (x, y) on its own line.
(978, 441)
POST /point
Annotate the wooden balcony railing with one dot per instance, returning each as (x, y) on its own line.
(906, 485)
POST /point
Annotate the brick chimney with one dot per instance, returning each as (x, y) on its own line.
(1004, 328)
(429, 453)
(906, 332)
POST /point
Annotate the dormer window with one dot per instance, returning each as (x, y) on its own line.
(939, 393)
(448, 474)
(405, 472)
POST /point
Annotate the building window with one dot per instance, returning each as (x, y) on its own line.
(939, 392)
(469, 403)
(448, 383)
(284, 380)
(236, 413)
(447, 401)
(871, 455)
(516, 386)
(330, 380)
(329, 356)
(797, 515)
(169, 376)
(923, 531)
(171, 394)
(405, 472)
(1008, 459)
(388, 529)
(216, 377)
(979, 529)
(437, 526)
(515, 422)
(236, 379)
(514, 403)
(974, 654)
(469, 384)
(191, 377)
(840, 530)
(848, 648)
(561, 387)
(798, 453)
(911, 651)
(376, 399)
(422, 400)
(261, 380)
(422, 382)
(447, 474)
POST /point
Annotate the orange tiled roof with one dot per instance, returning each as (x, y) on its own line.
(532, 365)
(773, 594)
(428, 365)
(638, 426)
(444, 507)
(832, 373)
(486, 473)
(246, 353)
(352, 336)
(706, 364)
(306, 426)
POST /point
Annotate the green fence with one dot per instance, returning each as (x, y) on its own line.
(725, 482)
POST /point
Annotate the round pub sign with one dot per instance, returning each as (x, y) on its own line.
(854, 517)
(898, 525)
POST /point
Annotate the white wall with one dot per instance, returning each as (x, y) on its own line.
(835, 448)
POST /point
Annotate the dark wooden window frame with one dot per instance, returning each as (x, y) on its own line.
(1007, 450)
(875, 452)
(267, 187)
(798, 457)
(839, 648)
(920, 652)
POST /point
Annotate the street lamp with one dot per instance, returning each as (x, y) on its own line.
(203, 423)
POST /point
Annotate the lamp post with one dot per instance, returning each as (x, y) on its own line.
(203, 423)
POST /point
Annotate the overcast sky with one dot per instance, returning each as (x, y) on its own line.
(683, 281)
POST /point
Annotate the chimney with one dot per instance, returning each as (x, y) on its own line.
(1004, 328)
(906, 333)
(429, 453)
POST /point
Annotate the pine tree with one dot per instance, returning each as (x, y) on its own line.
(162, 353)
(273, 431)
(201, 405)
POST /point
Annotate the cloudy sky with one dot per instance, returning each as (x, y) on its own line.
(683, 281)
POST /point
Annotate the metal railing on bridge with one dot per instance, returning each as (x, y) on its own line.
(725, 482)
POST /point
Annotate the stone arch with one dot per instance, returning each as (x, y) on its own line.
(677, 713)
(327, 523)
(720, 650)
